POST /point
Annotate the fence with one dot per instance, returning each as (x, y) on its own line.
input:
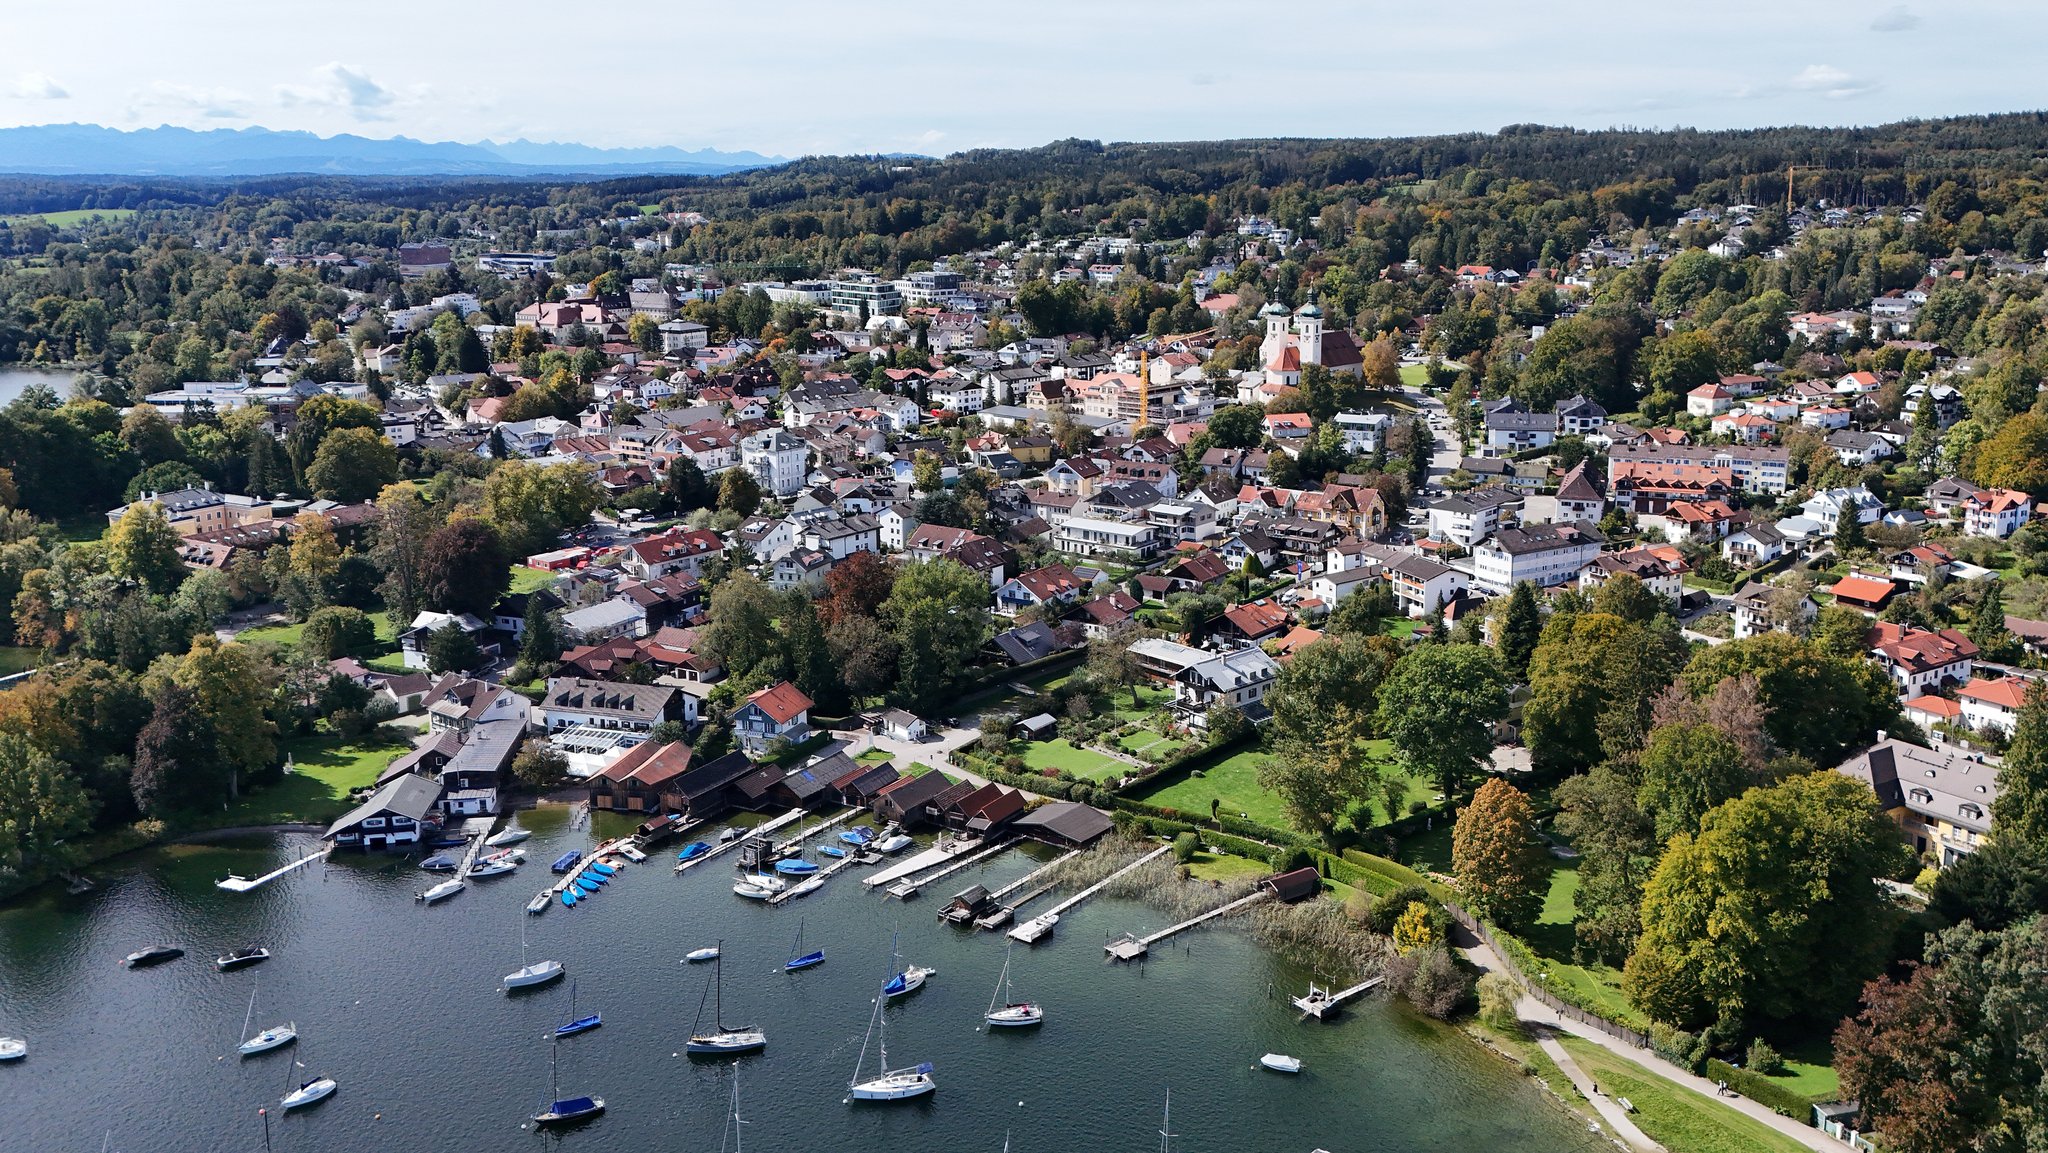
(1613, 1029)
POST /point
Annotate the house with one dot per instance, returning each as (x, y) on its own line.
(617, 617)
(1863, 593)
(779, 712)
(413, 642)
(1473, 516)
(1241, 677)
(1422, 586)
(1066, 823)
(777, 459)
(1758, 611)
(1106, 615)
(1253, 621)
(1922, 660)
(1993, 705)
(1997, 512)
(859, 784)
(1825, 507)
(1753, 544)
(1548, 554)
(396, 814)
(1921, 563)
(902, 725)
(1932, 712)
(904, 801)
(1363, 432)
(1826, 417)
(1660, 568)
(1579, 415)
(1332, 586)
(678, 550)
(1510, 429)
(1708, 401)
(1857, 449)
(841, 537)
(1940, 798)
(1096, 537)
(1580, 496)
(1756, 468)
(1038, 588)
(1642, 486)
(574, 701)
(1948, 493)
(643, 780)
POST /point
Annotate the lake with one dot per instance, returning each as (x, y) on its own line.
(401, 1004)
(15, 379)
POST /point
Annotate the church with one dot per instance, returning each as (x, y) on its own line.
(1297, 340)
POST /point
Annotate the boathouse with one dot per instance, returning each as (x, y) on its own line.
(904, 801)
(393, 815)
(706, 790)
(860, 784)
(1068, 823)
(642, 781)
(1298, 885)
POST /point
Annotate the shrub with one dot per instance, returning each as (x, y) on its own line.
(1388, 909)
(1288, 858)
(1764, 1059)
(1498, 994)
(1679, 1047)
(1436, 985)
(1761, 1089)
(1185, 846)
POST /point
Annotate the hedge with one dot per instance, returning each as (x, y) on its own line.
(1175, 771)
(1762, 1089)
(1394, 873)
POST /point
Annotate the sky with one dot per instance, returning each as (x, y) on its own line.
(797, 77)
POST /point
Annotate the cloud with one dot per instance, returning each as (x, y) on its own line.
(343, 87)
(1830, 82)
(1898, 19)
(210, 103)
(37, 86)
(930, 136)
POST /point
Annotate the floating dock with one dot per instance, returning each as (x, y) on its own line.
(1131, 948)
(931, 858)
(1320, 1003)
(907, 888)
(235, 884)
(722, 847)
(805, 833)
(1030, 932)
(824, 874)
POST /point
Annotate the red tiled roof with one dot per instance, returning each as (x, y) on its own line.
(782, 701)
(1862, 590)
(2011, 692)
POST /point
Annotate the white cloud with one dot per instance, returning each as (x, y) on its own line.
(343, 87)
(173, 102)
(37, 86)
(1830, 82)
(930, 136)
(1898, 19)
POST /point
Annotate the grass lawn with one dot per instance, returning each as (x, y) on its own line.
(1429, 851)
(287, 636)
(324, 769)
(525, 580)
(1401, 628)
(873, 757)
(1681, 1120)
(72, 217)
(18, 660)
(1136, 743)
(1224, 867)
(1150, 699)
(1415, 375)
(1595, 986)
(1072, 762)
(1810, 1070)
(1234, 782)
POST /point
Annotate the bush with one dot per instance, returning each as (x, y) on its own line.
(1764, 1059)
(1435, 984)
(1185, 846)
(1498, 994)
(1761, 1090)
(1288, 858)
(1388, 909)
(1679, 1047)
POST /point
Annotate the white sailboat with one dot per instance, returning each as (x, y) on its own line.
(526, 976)
(309, 1091)
(721, 1041)
(891, 1084)
(268, 1039)
(13, 1048)
(732, 1121)
(1166, 1133)
(1013, 1014)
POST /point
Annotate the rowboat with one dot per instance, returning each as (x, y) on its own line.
(807, 886)
(1281, 1063)
(539, 904)
(602, 869)
(833, 851)
(566, 861)
(569, 898)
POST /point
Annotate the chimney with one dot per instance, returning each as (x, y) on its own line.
(1881, 735)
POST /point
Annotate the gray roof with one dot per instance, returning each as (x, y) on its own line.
(408, 796)
(1948, 786)
(1069, 821)
(1479, 500)
(1540, 537)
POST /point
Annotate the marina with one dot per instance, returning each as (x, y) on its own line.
(437, 977)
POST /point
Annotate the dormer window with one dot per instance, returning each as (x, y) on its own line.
(1922, 796)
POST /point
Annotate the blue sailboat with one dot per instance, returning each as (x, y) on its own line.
(802, 960)
(602, 869)
(833, 851)
(795, 867)
(564, 1110)
(577, 1024)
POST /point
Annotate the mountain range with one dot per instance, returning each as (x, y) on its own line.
(90, 149)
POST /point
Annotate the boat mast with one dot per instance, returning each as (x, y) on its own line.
(250, 1016)
(718, 982)
(1166, 1134)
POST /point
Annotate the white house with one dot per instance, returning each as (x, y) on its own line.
(1241, 677)
(1548, 554)
(777, 459)
(1474, 515)
(1093, 536)
(1708, 400)
(1421, 584)
(1334, 585)
(1993, 705)
(1363, 432)
(1997, 512)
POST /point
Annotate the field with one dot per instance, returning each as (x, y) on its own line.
(72, 217)
(1235, 783)
(525, 580)
(18, 660)
(1593, 985)
(1072, 762)
(288, 635)
(324, 771)
(1683, 1121)
(1224, 867)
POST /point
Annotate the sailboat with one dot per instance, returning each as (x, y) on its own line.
(1166, 1133)
(891, 1084)
(907, 980)
(565, 1110)
(309, 1091)
(577, 1024)
(526, 976)
(1013, 1014)
(721, 1041)
(268, 1039)
(732, 1121)
(802, 960)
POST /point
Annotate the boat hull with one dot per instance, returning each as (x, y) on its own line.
(148, 957)
(12, 1049)
(507, 837)
(1281, 1063)
(732, 1043)
(697, 955)
(314, 1091)
(907, 982)
(1016, 1017)
(893, 1087)
(808, 960)
(580, 1025)
(692, 851)
(441, 892)
(533, 975)
(751, 892)
(268, 1039)
(539, 904)
(241, 960)
(569, 1112)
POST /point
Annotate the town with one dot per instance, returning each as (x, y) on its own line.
(1682, 561)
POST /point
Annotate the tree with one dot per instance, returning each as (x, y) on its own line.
(1238, 426)
(540, 765)
(1503, 870)
(1439, 706)
(645, 333)
(865, 652)
(1225, 724)
(1323, 703)
(1849, 529)
(1414, 928)
(1817, 704)
(686, 489)
(450, 649)
(1618, 848)
(1592, 679)
(1687, 769)
(1521, 627)
(176, 767)
(531, 504)
(230, 684)
(315, 554)
(938, 613)
(808, 657)
(146, 433)
(2016, 456)
(143, 547)
(1987, 622)
(336, 631)
(2021, 809)
(738, 492)
(540, 641)
(1624, 595)
(739, 630)
(42, 805)
(463, 568)
(856, 587)
(925, 474)
(353, 464)
(2003, 883)
(1771, 911)
(404, 524)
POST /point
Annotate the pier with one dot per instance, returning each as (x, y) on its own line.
(937, 855)
(1003, 913)
(722, 847)
(905, 889)
(234, 884)
(1131, 948)
(476, 829)
(1320, 1003)
(1035, 930)
(785, 848)
(824, 874)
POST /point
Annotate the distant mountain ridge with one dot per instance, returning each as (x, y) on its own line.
(90, 149)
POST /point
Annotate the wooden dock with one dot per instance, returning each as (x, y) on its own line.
(1034, 874)
(1131, 948)
(1039, 927)
(909, 887)
(476, 829)
(234, 884)
(1320, 1003)
(805, 833)
(824, 874)
(722, 847)
(931, 858)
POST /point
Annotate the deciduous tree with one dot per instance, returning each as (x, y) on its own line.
(938, 613)
(1439, 706)
(353, 464)
(177, 768)
(143, 547)
(1502, 867)
(463, 568)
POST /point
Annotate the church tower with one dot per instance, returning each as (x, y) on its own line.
(1308, 329)
(1275, 315)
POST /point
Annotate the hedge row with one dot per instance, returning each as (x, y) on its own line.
(1394, 873)
(1762, 1090)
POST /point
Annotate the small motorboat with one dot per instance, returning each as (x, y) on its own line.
(516, 856)
(632, 853)
(268, 1039)
(858, 836)
(893, 844)
(833, 851)
(602, 869)
(566, 861)
(709, 953)
(795, 867)
(538, 973)
(441, 892)
(766, 881)
(318, 1089)
(908, 981)
(693, 850)
(13, 1048)
(752, 892)
(241, 958)
(1281, 1063)
(539, 904)
(507, 836)
(569, 898)
(569, 1111)
(154, 955)
(807, 886)
(439, 863)
(495, 868)
(580, 1025)
(728, 834)
(1036, 929)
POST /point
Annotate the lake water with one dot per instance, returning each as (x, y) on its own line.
(15, 379)
(401, 1003)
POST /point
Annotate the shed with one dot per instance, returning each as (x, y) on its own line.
(904, 801)
(1036, 728)
(1065, 823)
(1299, 885)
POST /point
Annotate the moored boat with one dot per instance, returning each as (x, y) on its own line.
(602, 869)
(709, 953)
(241, 958)
(752, 892)
(795, 867)
(891, 1084)
(802, 960)
(1281, 1063)
(895, 843)
(507, 836)
(538, 973)
(439, 863)
(858, 836)
(692, 851)
(539, 904)
(910, 980)
(632, 853)
(13, 1048)
(807, 886)
(440, 892)
(154, 955)
(274, 1037)
(1013, 1014)
(578, 1024)
(566, 861)
(491, 868)
(1036, 929)
(766, 881)
(569, 1110)
(569, 898)
(308, 1092)
(722, 1040)
(833, 851)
